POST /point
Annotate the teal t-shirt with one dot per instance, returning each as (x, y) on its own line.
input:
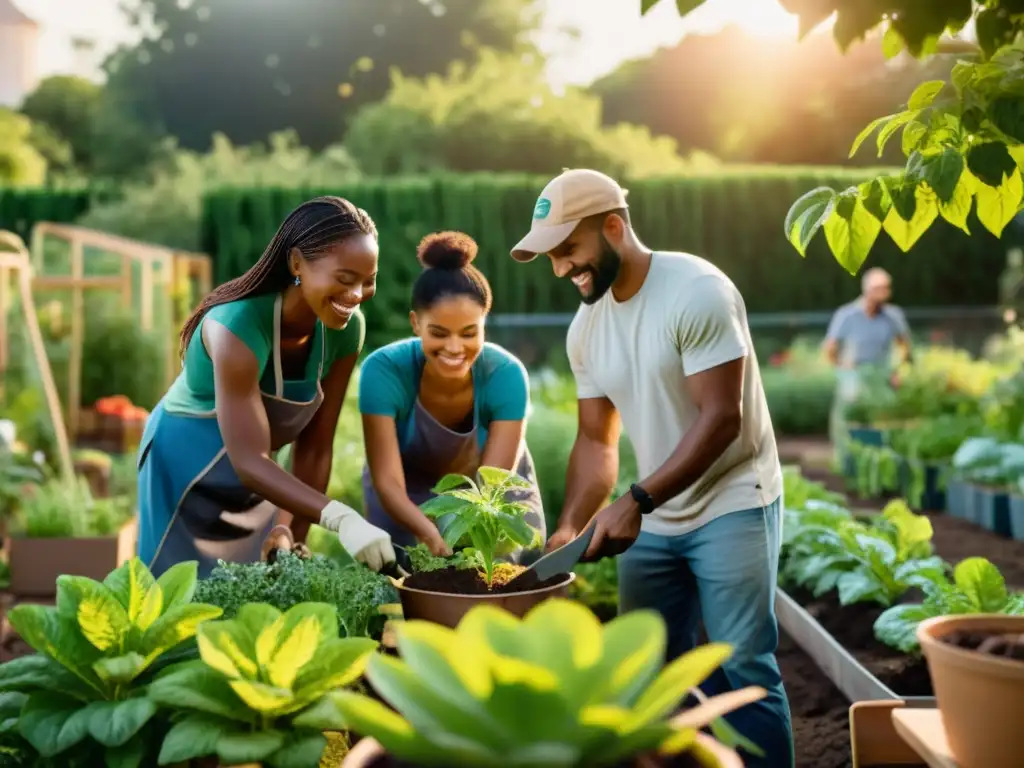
(389, 385)
(255, 321)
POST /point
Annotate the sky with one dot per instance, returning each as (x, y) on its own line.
(610, 31)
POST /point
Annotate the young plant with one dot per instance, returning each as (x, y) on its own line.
(554, 688)
(977, 587)
(481, 514)
(97, 650)
(422, 560)
(258, 693)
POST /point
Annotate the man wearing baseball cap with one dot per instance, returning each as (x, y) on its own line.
(661, 344)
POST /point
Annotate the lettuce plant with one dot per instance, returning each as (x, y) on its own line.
(825, 548)
(481, 514)
(85, 691)
(258, 692)
(977, 587)
(554, 688)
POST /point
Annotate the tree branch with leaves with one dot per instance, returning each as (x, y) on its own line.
(963, 139)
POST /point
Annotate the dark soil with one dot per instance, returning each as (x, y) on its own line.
(469, 581)
(957, 539)
(821, 720)
(853, 627)
(1008, 646)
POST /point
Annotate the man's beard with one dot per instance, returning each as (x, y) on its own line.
(603, 274)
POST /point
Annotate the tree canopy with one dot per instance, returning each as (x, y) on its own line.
(247, 69)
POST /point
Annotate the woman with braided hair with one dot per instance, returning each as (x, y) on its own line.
(267, 359)
(444, 401)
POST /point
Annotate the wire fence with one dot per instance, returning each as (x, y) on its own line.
(539, 339)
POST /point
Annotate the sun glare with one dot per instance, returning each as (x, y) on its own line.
(759, 18)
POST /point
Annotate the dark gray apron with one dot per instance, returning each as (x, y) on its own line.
(434, 451)
(217, 517)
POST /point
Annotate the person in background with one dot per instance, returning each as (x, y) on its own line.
(444, 401)
(861, 336)
(267, 360)
(661, 341)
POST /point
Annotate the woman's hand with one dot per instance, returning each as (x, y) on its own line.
(436, 544)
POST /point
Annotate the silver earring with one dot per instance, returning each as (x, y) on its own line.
(298, 280)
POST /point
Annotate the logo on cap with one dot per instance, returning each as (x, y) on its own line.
(542, 208)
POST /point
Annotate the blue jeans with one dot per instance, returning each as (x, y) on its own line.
(724, 573)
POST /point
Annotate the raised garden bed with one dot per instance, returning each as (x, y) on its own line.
(36, 563)
(852, 627)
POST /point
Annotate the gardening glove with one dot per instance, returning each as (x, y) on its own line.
(365, 542)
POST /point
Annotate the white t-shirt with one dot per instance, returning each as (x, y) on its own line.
(686, 318)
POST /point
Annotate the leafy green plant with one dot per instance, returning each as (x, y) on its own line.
(354, 590)
(797, 490)
(825, 548)
(554, 688)
(988, 462)
(422, 560)
(877, 469)
(481, 515)
(597, 585)
(63, 507)
(260, 690)
(84, 690)
(17, 470)
(977, 587)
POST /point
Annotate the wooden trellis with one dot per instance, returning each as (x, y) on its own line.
(163, 270)
(15, 262)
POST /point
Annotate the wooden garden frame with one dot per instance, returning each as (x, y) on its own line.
(162, 269)
(15, 260)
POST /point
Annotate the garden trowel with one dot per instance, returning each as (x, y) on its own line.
(561, 560)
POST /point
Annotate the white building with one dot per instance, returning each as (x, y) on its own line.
(19, 55)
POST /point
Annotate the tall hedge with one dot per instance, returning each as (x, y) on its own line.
(21, 209)
(734, 219)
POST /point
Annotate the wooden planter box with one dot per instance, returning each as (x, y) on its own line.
(36, 563)
(108, 433)
(874, 740)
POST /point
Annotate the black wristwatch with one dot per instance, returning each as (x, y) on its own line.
(643, 499)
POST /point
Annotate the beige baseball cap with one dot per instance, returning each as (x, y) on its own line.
(565, 201)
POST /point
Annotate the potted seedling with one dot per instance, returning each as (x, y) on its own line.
(977, 668)
(60, 528)
(260, 692)
(81, 699)
(555, 688)
(482, 524)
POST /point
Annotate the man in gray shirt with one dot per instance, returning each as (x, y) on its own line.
(862, 333)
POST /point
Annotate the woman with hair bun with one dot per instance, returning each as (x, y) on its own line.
(444, 401)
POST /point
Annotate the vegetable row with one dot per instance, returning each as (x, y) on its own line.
(885, 559)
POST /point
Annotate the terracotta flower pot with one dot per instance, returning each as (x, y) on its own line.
(448, 608)
(980, 696)
(368, 753)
